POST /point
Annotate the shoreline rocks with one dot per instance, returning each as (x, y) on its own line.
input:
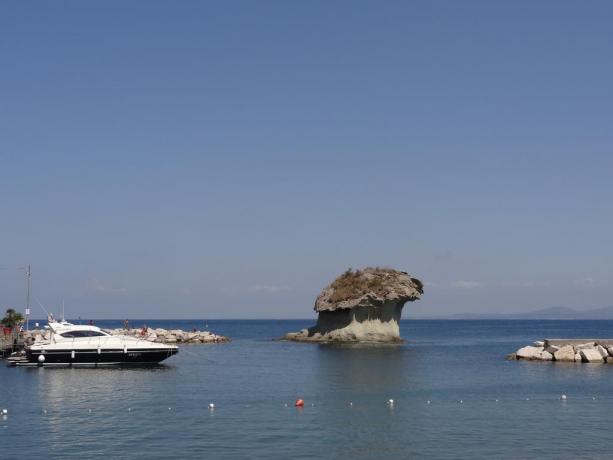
(571, 350)
(362, 306)
(158, 335)
(172, 336)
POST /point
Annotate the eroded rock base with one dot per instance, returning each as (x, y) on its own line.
(362, 324)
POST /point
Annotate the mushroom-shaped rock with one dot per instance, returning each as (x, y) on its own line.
(362, 306)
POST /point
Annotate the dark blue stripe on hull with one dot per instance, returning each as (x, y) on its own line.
(92, 357)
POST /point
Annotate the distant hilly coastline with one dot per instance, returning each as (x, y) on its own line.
(544, 313)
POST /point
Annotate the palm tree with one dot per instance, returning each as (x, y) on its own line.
(12, 318)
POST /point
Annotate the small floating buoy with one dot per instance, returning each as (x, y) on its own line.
(211, 406)
(44, 411)
(299, 403)
(461, 402)
(350, 403)
(90, 411)
(428, 401)
(527, 399)
(563, 397)
(593, 398)
(5, 411)
(496, 400)
(129, 409)
(390, 402)
(285, 404)
(170, 408)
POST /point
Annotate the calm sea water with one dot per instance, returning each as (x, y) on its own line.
(508, 409)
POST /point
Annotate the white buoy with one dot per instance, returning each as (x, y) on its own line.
(461, 402)
(350, 403)
(5, 411)
(593, 398)
(563, 397)
(285, 404)
(428, 402)
(129, 409)
(527, 399)
(496, 400)
(390, 402)
(211, 406)
(170, 408)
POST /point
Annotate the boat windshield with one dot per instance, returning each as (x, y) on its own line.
(78, 334)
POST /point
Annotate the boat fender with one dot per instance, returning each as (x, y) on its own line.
(72, 354)
(41, 359)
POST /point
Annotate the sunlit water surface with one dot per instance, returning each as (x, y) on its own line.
(481, 406)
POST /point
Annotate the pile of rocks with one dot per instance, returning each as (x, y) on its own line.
(152, 335)
(577, 351)
(171, 336)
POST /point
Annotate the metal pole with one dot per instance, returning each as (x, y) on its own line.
(28, 274)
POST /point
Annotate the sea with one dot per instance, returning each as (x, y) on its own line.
(454, 397)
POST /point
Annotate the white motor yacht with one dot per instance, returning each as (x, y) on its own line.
(71, 344)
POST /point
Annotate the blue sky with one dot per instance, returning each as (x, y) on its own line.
(227, 159)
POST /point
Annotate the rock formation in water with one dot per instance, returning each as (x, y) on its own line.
(361, 306)
(567, 350)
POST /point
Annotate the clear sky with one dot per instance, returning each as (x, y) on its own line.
(227, 159)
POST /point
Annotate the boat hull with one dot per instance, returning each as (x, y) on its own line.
(104, 357)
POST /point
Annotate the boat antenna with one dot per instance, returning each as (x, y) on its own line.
(63, 315)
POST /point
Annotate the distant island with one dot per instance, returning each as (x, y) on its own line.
(361, 306)
(544, 313)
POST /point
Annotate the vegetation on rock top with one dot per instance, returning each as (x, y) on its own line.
(371, 280)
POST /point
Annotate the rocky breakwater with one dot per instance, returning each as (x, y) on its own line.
(571, 350)
(171, 335)
(361, 306)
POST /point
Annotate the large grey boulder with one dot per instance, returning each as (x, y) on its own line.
(603, 352)
(566, 353)
(545, 356)
(529, 353)
(361, 306)
(591, 355)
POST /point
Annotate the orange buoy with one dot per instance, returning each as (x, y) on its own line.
(299, 403)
